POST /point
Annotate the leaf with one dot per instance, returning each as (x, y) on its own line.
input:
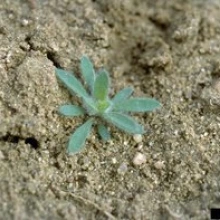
(88, 72)
(103, 132)
(122, 95)
(101, 86)
(71, 110)
(72, 83)
(124, 122)
(78, 138)
(137, 105)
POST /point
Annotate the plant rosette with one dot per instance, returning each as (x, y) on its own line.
(97, 104)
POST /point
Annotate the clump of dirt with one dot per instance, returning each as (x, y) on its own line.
(164, 49)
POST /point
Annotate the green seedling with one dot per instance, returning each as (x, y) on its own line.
(97, 104)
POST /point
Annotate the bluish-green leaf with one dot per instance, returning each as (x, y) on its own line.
(88, 72)
(78, 138)
(122, 95)
(72, 83)
(137, 105)
(101, 85)
(103, 132)
(124, 122)
(71, 110)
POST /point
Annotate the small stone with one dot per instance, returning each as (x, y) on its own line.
(125, 143)
(159, 165)
(2, 156)
(138, 138)
(140, 146)
(216, 85)
(122, 168)
(24, 22)
(139, 159)
(114, 160)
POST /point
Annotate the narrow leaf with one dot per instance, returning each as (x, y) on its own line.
(101, 85)
(137, 105)
(78, 138)
(71, 110)
(103, 132)
(88, 72)
(124, 122)
(122, 95)
(72, 83)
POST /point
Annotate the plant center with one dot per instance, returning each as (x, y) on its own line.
(102, 106)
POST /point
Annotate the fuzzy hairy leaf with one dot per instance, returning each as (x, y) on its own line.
(122, 95)
(137, 105)
(101, 85)
(78, 138)
(71, 110)
(124, 122)
(88, 72)
(103, 132)
(72, 83)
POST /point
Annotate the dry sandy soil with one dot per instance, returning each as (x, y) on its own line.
(169, 50)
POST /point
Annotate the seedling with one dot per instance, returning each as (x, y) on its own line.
(97, 104)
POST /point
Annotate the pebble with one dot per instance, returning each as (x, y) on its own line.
(159, 165)
(2, 155)
(139, 159)
(114, 160)
(216, 85)
(137, 138)
(122, 168)
(24, 22)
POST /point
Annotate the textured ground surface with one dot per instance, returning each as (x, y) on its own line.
(169, 50)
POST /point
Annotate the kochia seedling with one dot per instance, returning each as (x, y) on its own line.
(96, 103)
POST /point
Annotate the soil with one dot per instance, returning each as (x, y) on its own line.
(169, 50)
